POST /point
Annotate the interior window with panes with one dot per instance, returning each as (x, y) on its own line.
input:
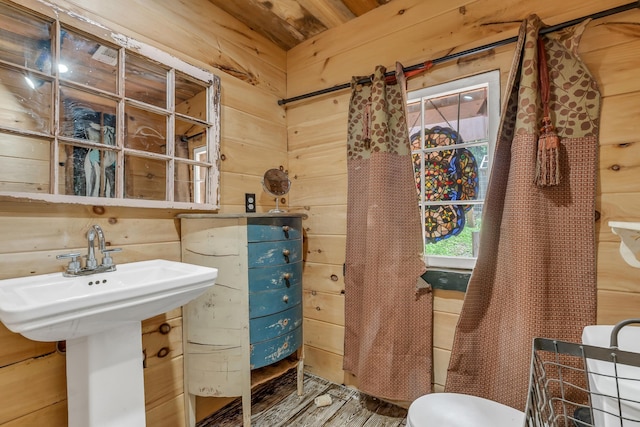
(453, 128)
(88, 120)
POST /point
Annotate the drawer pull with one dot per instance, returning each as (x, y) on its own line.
(285, 299)
(287, 281)
(286, 253)
(164, 329)
(285, 229)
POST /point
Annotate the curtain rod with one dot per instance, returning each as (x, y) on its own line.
(468, 52)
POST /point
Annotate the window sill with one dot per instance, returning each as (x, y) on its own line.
(103, 201)
(449, 280)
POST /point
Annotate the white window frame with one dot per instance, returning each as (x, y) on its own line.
(58, 18)
(490, 80)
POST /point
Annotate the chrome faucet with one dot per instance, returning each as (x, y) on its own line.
(92, 263)
(74, 268)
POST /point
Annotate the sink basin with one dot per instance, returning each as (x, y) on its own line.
(51, 307)
(100, 316)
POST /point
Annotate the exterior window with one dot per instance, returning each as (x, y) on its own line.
(453, 128)
(93, 121)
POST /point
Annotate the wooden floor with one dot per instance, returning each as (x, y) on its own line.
(277, 403)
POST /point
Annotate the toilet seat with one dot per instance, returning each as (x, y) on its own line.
(461, 410)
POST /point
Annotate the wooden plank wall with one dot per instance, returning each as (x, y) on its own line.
(32, 375)
(413, 31)
(254, 139)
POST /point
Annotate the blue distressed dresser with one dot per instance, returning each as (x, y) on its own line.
(248, 327)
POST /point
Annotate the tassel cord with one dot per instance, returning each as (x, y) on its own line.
(548, 155)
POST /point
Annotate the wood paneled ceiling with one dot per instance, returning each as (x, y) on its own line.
(290, 22)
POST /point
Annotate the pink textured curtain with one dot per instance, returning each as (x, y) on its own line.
(536, 271)
(388, 331)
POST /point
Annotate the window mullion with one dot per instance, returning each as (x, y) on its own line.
(458, 119)
(423, 207)
(171, 126)
(54, 123)
(120, 124)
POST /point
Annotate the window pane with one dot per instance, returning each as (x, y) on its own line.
(26, 39)
(474, 121)
(145, 131)
(86, 171)
(88, 61)
(442, 111)
(145, 178)
(414, 119)
(452, 230)
(191, 97)
(145, 81)
(24, 164)
(87, 116)
(481, 155)
(190, 183)
(27, 103)
(190, 136)
(445, 174)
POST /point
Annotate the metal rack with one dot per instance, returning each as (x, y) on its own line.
(577, 385)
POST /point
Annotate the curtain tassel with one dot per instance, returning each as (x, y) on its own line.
(548, 159)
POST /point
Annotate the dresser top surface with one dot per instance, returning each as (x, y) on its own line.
(246, 215)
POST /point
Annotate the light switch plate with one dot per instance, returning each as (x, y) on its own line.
(249, 202)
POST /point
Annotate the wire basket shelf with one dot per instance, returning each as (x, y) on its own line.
(578, 385)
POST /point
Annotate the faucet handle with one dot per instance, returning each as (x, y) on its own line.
(106, 259)
(74, 264)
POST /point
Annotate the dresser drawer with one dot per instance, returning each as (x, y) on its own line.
(267, 352)
(273, 301)
(268, 327)
(276, 277)
(263, 254)
(272, 229)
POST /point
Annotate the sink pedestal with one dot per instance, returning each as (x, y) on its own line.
(105, 383)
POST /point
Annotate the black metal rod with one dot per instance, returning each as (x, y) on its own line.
(469, 52)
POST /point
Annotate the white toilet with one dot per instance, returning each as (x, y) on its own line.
(461, 410)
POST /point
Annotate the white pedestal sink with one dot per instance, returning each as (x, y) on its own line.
(99, 316)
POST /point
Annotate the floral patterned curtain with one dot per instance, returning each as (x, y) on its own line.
(536, 272)
(388, 328)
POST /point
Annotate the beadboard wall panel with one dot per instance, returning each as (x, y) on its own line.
(412, 32)
(253, 139)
